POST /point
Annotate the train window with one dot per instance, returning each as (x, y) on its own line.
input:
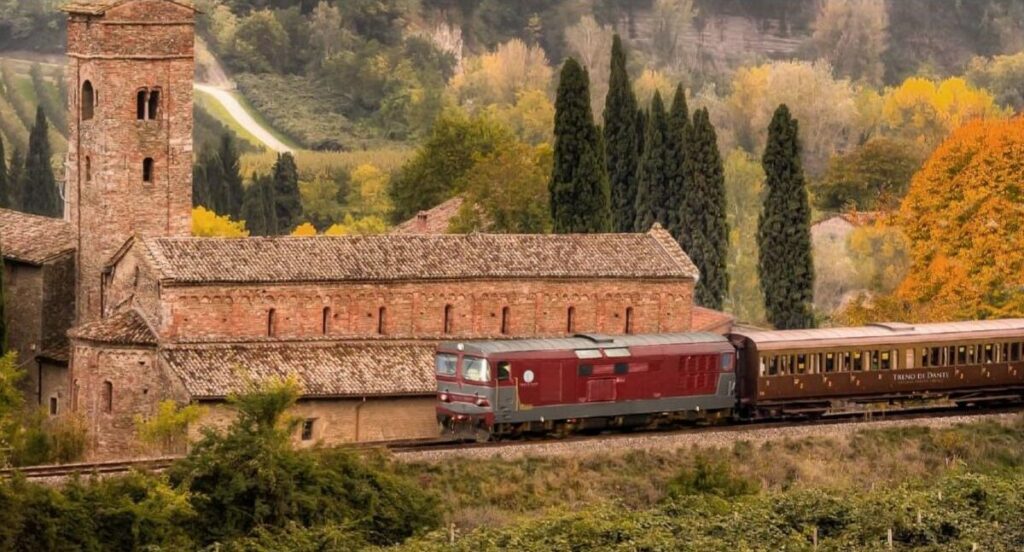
(989, 354)
(475, 369)
(973, 355)
(885, 359)
(617, 352)
(504, 370)
(764, 365)
(1015, 352)
(588, 353)
(830, 362)
(786, 364)
(621, 368)
(872, 357)
(773, 365)
(445, 365)
(857, 361)
(725, 363)
(961, 355)
(585, 370)
(801, 364)
(935, 354)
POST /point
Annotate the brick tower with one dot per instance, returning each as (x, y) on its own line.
(129, 166)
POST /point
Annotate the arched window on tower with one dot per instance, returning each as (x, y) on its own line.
(382, 321)
(570, 320)
(271, 323)
(108, 396)
(140, 105)
(325, 323)
(88, 169)
(629, 320)
(448, 312)
(88, 101)
(147, 169)
(154, 105)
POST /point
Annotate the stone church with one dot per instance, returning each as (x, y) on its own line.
(116, 308)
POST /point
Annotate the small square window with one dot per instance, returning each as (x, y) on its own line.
(307, 429)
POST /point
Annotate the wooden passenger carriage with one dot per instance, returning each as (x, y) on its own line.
(828, 370)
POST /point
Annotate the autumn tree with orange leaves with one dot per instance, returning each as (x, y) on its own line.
(964, 219)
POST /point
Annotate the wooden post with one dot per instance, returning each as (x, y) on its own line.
(890, 538)
(451, 533)
(814, 537)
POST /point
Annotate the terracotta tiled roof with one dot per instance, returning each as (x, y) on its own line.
(431, 221)
(417, 257)
(707, 320)
(33, 239)
(351, 369)
(97, 7)
(126, 328)
(60, 354)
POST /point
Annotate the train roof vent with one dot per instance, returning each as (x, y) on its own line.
(597, 338)
(893, 326)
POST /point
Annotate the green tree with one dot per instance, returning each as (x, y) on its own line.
(287, 199)
(450, 152)
(622, 153)
(785, 264)
(3, 309)
(704, 229)
(744, 184)
(5, 193)
(676, 143)
(259, 210)
(11, 400)
(16, 178)
(655, 172)
(39, 187)
(167, 430)
(506, 192)
(876, 175)
(230, 175)
(580, 194)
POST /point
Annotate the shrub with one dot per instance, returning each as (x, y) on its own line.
(708, 477)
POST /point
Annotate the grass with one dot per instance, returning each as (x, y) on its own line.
(218, 111)
(262, 121)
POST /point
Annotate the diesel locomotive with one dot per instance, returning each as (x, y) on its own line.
(489, 389)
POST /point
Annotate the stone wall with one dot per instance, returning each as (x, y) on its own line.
(23, 300)
(142, 46)
(417, 310)
(58, 306)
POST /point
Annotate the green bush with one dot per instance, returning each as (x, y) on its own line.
(708, 477)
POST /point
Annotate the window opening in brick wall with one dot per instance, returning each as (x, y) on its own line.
(108, 396)
(447, 327)
(147, 169)
(325, 321)
(140, 105)
(271, 323)
(154, 104)
(307, 429)
(382, 317)
(88, 101)
(88, 169)
(570, 320)
(629, 320)
(504, 320)
(53, 406)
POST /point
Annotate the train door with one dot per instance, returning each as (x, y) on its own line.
(505, 391)
(538, 382)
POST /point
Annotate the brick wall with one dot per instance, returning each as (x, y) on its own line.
(23, 300)
(417, 310)
(145, 45)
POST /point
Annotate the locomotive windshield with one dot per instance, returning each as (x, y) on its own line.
(475, 369)
(446, 364)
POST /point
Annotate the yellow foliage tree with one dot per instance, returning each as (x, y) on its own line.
(359, 227)
(926, 111)
(497, 77)
(649, 82)
(965, 226)
(369, 193)
(207, 224)
(304, 229)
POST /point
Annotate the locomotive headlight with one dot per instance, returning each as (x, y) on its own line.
(444, 397)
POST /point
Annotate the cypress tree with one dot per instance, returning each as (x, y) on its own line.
(5, 193)
(231, 176)
(580, 194)
(259, 210)
(785, 265)
(702, 215)
(202, 193)
(641, 132)
(3, 309)
(653, 174)
(39, 187)
(620, 139)
(287, 201)
(15, 178)
(678, 127)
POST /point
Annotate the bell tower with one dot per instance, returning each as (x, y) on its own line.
(129, 166)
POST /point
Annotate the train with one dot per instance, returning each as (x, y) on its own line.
(589, 382)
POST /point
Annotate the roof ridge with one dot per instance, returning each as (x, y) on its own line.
(675, 251)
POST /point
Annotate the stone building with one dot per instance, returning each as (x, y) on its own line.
(161, 315)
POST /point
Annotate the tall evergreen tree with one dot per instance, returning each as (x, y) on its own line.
(580, 194)
(259, 210)
(678, 128)
(3, 311)
(654, 173)
(231, 176)
(702, 215)
(287, 201)
(785, 265)
(641, 134)
(15, 178)
(39, 187)
(5, 193)
(202, 183)
(620, 139)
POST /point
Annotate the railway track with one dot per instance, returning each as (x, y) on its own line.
(400, 448)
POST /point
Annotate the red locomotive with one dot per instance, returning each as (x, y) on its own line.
(542, 386)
